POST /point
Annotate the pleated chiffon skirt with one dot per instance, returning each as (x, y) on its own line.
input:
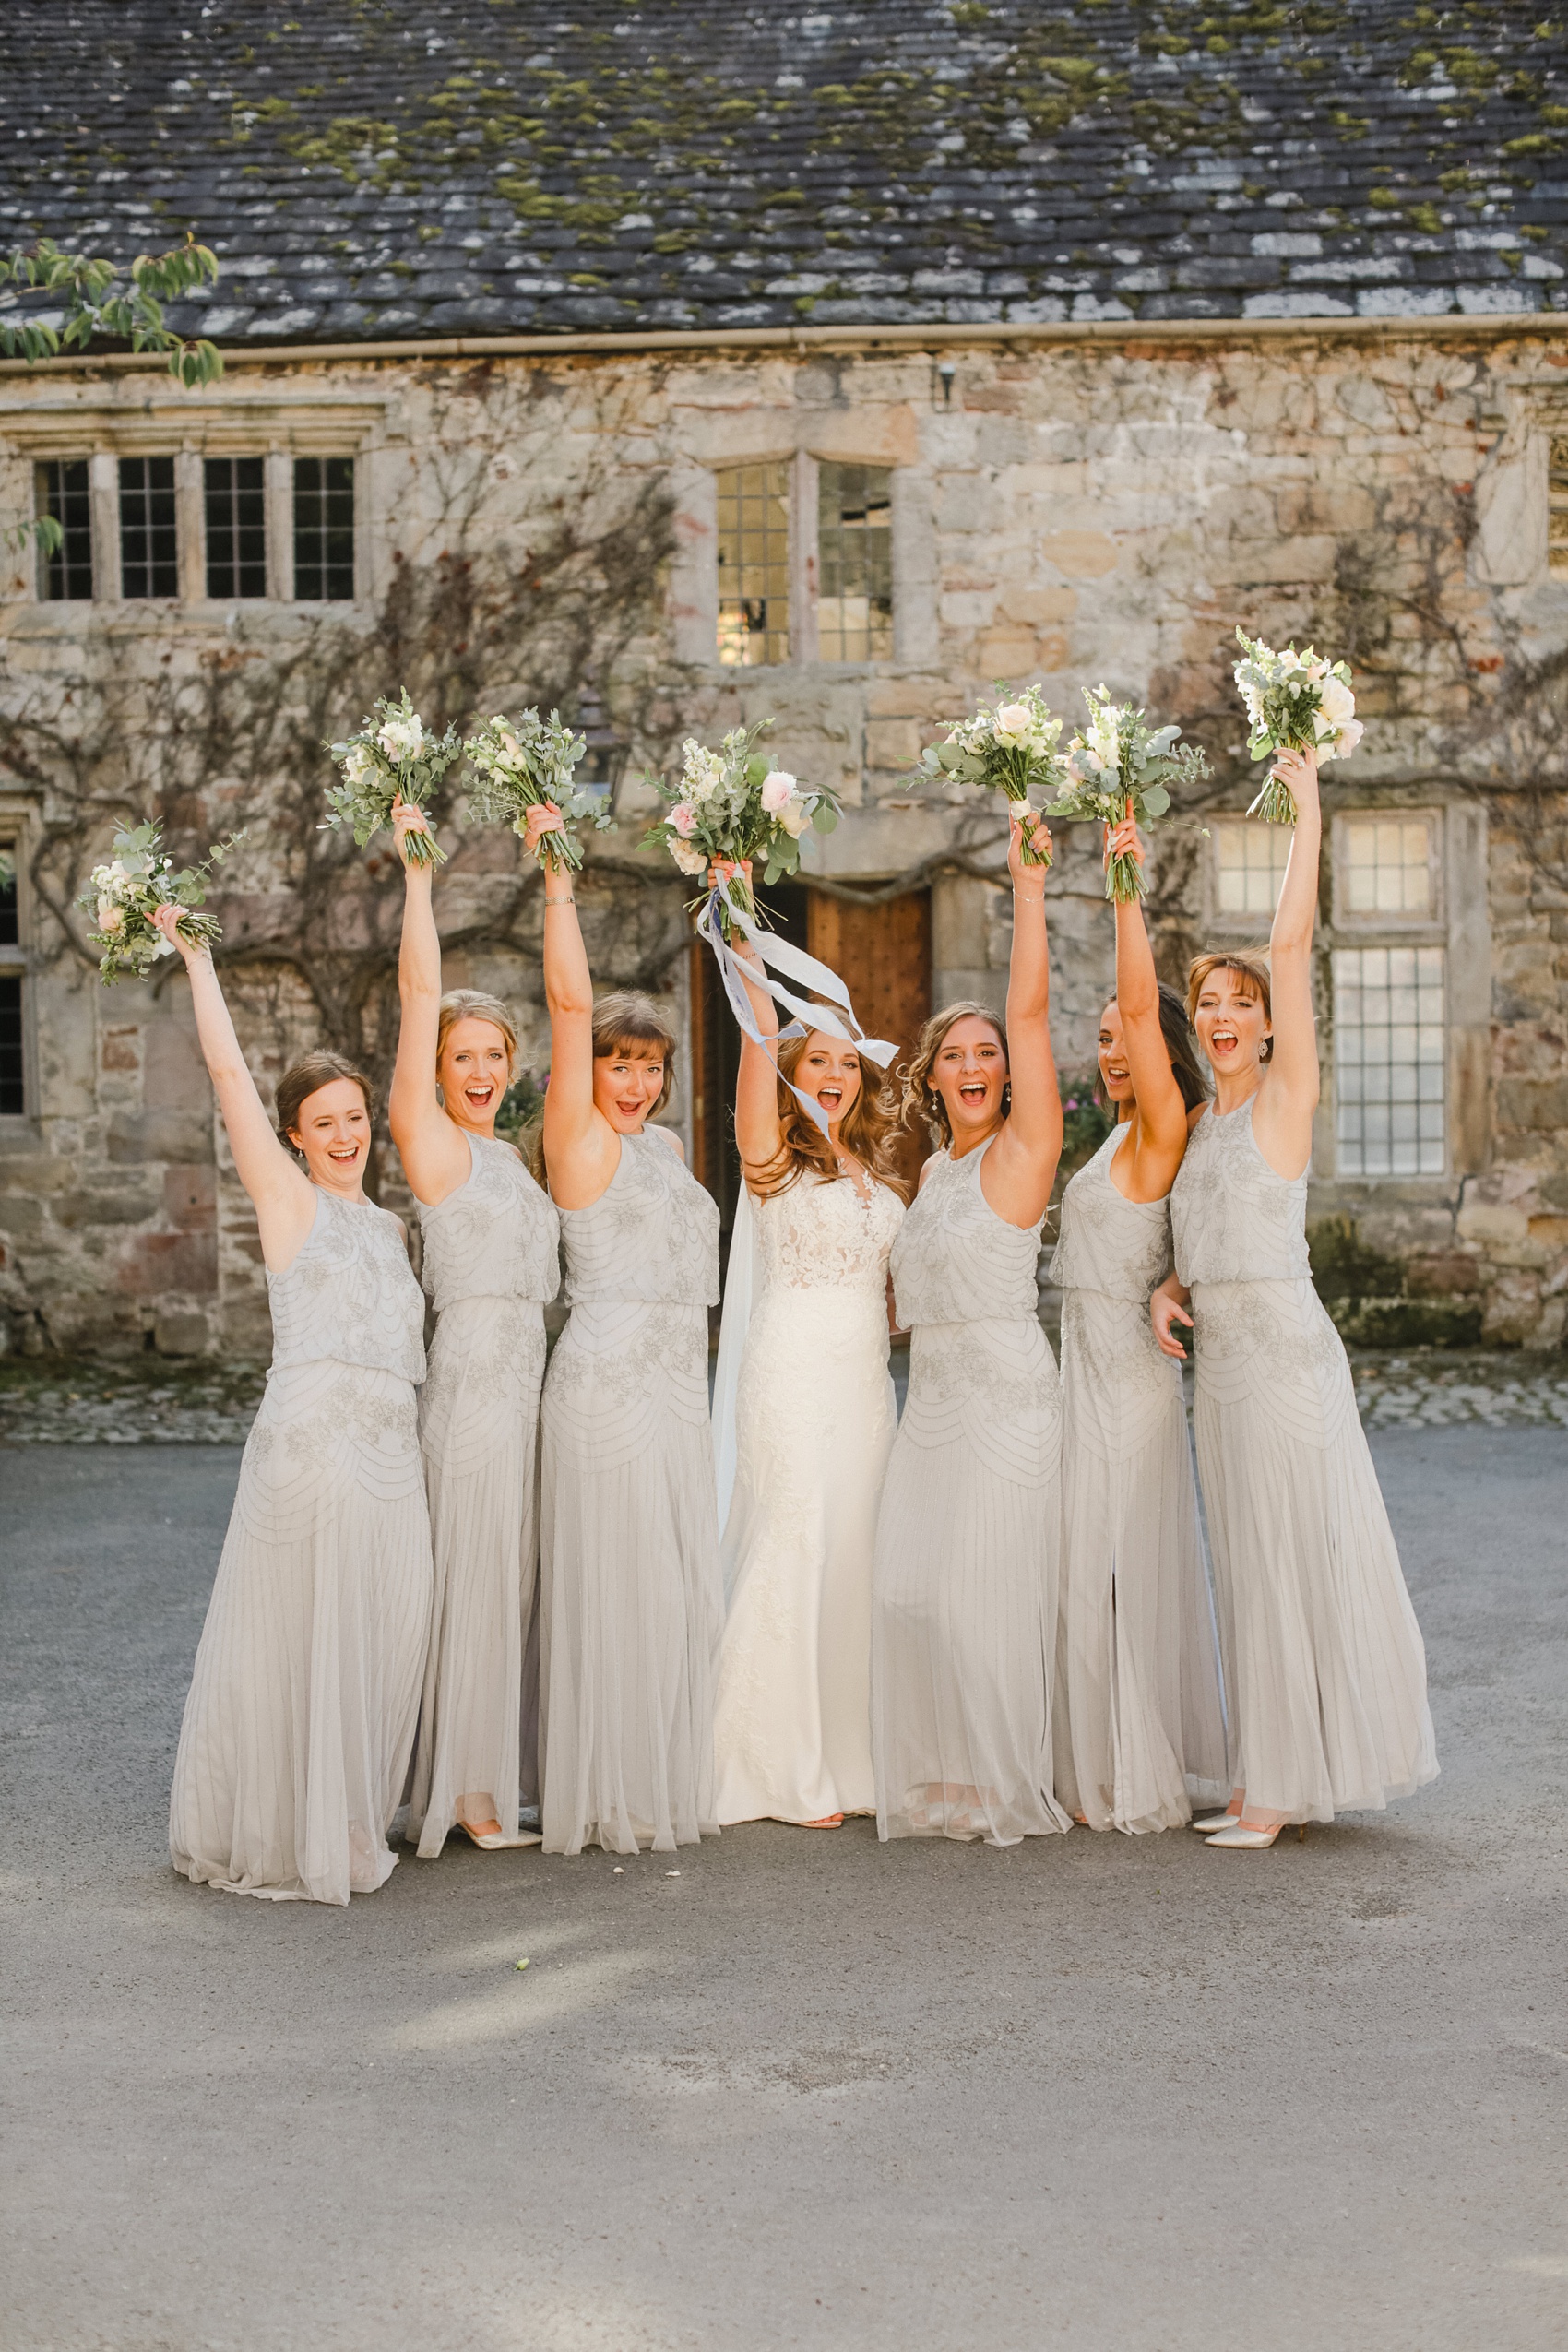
(1139, 1727)
(300, 1715)
(478, 1746)
(630, 1598)
(964, 1589)
(1324, 1665)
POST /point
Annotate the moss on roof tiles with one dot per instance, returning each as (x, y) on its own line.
(887, 160)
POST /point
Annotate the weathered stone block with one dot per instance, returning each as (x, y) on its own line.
(153, 1264)
(138, 1138)
(128, 1206)
(1533, 1104)
(181, 1332)
(1437, 1277)
(190, 1198)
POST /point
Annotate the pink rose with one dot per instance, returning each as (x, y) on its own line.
(684, 818)
(777, 791)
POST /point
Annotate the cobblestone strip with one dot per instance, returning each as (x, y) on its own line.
(214, 1404)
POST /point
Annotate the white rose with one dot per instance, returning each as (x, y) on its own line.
(109, 916)
(777, 791)
(1336, 703)
(690, 860)
(1345, 741)
(794, 817)
(1013, 722)
(401, 739)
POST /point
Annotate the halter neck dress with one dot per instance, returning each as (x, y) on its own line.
(1324, 1666)
(963, 1588)
(630, 1596)
(295, 1742)
(1139, 1729)
(491, 1263)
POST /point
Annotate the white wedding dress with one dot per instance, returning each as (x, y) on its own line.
(814, 1422)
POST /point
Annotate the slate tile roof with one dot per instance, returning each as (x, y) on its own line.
(409, 168)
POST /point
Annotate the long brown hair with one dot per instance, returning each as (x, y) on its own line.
(1249, 964)
(307, 1077)
(921, 1100)
(1182, 1050)
(866, 1130)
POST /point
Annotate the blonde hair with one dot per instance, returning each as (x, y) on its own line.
(473, 1004)
(1250, 964)
(866, 1129)
(921, 1100)
(628, 1022)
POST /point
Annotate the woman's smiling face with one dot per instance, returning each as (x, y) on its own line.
(1231, 1025)
(830, 1069)
(473, 1072)
(970, 1075)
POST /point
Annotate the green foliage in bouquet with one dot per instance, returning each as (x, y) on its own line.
(1119, 767)
(1296, 702)
(521, 763)
(123, 895)
(390, 758)
(1009, 749)
(731, 806)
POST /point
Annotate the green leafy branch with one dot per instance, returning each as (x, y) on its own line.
(95, 299)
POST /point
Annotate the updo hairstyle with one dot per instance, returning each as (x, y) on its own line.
(473, 1004)
(630, 1023)
(307, 1077)
(1249, 966)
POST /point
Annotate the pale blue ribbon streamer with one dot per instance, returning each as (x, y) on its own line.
(777, 955)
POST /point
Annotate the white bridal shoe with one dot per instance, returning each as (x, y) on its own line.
(1211, 1822)
(1252, 1840)
(495, 1841)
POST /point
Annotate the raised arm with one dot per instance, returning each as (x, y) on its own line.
(581, 1149)
(1160, 1126)
(284, 1195)
(1282, 1119)
(435, 1155)
(1020, 1167)
(758, 1132)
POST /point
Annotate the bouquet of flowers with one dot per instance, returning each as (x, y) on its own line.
(1006, 750)
(731, 806)
(122, 895)
(1296, 702)
(1119, 766)
(521, 763)
(391, 758)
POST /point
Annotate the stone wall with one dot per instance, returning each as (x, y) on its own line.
(1074, 510)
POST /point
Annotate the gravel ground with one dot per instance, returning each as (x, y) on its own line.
(1106, 2094)
(154, 1403)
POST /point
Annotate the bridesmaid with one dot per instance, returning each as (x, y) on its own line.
(490, 1266)
(301, 1715)
(963, 1582)
(1323, 1662)
(1138, 1730)
(631, 1606)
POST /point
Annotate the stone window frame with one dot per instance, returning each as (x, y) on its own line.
(695, 572)
(19, 820)
(1460, 923)
(277, 429)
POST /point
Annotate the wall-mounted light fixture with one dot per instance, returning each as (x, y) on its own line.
(946, 371)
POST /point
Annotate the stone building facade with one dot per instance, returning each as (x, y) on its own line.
(852, 511)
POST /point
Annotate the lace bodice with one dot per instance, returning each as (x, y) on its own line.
(1110, 1244)
(957, 1260)
(650, 1238)
(1234, 1219)
(496, 1237)
(349, 1297)
(819, 1236)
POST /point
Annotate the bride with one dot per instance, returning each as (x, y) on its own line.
(814, 1422)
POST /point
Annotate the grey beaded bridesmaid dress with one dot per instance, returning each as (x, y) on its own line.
(963, 1582)
(301, 1715)
(1139, 1730)
(631, 1600)
(1324, 1666)
(491, 1264)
